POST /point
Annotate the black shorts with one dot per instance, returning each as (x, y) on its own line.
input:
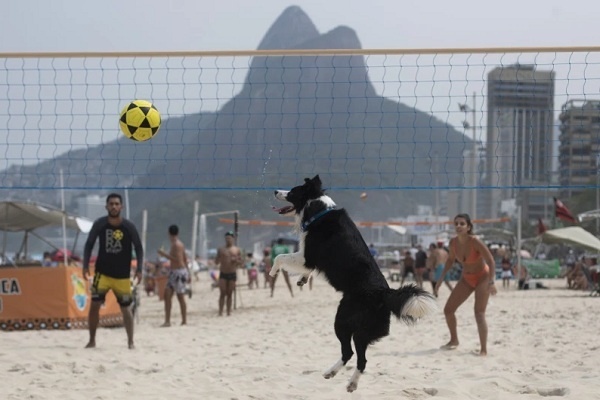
(232, 276)
(407, 270)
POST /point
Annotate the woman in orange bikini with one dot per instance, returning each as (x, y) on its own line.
(478, 276)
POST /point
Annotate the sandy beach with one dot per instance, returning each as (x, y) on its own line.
(543, 343)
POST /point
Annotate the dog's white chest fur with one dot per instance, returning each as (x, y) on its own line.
(295, 262)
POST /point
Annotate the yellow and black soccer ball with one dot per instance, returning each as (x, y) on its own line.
(140, 120)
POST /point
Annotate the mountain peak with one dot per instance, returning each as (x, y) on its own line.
(341, 37)
(292, 28)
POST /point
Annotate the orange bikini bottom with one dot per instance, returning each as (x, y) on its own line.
(474, 278)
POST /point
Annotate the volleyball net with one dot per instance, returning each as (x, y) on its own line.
(363, 119)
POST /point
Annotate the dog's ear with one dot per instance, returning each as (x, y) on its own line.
(306, 180)
(317, 180)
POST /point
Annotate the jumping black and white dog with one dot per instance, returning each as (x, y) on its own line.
(331, 244)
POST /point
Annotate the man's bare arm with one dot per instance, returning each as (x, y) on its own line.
(182, 249)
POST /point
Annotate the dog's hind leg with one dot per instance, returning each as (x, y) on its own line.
(374, 326)
(345, 339)
(360, 345)
(344, 335)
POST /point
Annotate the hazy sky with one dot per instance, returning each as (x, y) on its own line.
(107, 25)
(156, 25)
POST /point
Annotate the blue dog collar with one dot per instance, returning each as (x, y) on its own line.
(314, 218)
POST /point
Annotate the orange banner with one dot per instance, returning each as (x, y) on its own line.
(49, 298)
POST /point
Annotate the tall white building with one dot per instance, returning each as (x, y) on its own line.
(519, 132)
(579, 146)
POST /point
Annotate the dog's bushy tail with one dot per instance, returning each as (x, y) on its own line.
(409, 303)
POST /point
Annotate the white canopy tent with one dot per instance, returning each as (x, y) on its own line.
(588, 215)
(572, 235)
(20, 216)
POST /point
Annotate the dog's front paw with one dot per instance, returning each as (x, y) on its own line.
(302, 281)
(273, 272)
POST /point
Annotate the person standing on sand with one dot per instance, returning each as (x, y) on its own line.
(441, 256)
(179, 276)
(506, 273)
(118, 237)
(252, 271)
(267, 265)
(229, 259)
(477, 276)
(409, 267)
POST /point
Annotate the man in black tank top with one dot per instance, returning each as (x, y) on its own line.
(117, 238)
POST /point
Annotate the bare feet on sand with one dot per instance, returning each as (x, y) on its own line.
(449, 346)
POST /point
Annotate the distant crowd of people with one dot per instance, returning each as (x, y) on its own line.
(427, 265)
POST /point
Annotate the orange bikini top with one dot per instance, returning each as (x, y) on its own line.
(473, 257)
